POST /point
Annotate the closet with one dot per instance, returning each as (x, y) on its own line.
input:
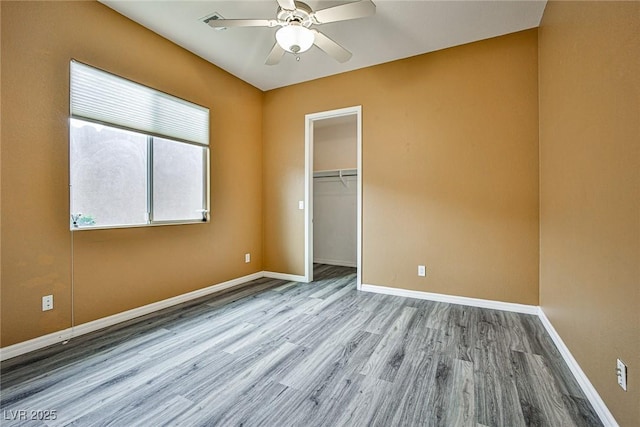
(335, 184)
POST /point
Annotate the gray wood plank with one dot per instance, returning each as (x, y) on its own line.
(461, 403)
(540, 400)
(227, 395)
(496, 393)
(345, 338)
(388, 353)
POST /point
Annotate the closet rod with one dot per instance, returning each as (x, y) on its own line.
(335, 173)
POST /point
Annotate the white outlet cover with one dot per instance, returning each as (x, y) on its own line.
(247, 257)
(47, 302)
(422, 271)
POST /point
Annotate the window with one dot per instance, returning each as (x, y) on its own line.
(137, 156)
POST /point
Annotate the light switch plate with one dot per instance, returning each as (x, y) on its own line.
(621, 372)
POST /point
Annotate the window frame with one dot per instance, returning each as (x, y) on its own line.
(206, 176)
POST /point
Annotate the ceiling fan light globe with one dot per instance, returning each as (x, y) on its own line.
(295, 38)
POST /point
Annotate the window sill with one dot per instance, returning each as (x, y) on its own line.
(154, 224)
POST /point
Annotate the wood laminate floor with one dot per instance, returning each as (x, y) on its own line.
(277, 353)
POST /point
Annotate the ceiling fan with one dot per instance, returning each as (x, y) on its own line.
(295, 34)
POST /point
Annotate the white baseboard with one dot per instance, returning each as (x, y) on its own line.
(283, 276)
(452, 299)
(588, 389)
(84, 328)
(35, 344)
(337, 262)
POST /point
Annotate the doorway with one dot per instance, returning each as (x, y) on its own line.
(342, 172)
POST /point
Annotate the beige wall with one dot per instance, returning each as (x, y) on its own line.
(335, 145)
(113, 270)
(590, 190)
(450, 169)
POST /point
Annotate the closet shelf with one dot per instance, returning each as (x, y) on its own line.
(331, 173)
(336, 173)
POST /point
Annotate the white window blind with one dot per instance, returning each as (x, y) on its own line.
(103, 97)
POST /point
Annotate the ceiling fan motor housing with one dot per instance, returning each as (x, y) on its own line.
(301, 14)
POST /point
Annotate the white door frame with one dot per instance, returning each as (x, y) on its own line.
(308, 195)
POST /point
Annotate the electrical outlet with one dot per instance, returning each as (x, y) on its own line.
(621, 372)
(247, 258)
(422, 271)
(47, 302)
(301, 205)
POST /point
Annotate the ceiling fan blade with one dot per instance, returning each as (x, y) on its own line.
(219, 23)
(287, 4)
(275, 55)
(358, 9)
(331, 48)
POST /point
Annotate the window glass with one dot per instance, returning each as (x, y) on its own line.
(108, 169)
(178, 180)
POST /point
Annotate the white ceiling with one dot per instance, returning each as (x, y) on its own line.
(399, 29)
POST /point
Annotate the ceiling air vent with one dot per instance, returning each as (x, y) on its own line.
(213, 17)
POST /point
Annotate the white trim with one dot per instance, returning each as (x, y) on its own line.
(337, 262)
(35, 344)
(587, 388)
(308, 198)
(452, 299)
(60, 336)
(359, 199)
(308, 184)
(284, 276)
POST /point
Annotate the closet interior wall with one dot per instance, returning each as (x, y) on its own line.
(335, 191)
